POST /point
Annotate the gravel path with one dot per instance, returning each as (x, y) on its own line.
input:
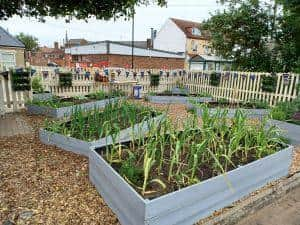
(42, 184)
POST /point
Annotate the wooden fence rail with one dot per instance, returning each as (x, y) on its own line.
(234, 85)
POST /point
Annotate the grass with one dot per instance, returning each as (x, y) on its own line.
(93, 125)
(170, 159)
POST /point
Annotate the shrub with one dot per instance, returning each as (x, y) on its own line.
(36, 85)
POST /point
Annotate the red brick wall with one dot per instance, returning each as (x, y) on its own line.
(125, 61)
(146, 62)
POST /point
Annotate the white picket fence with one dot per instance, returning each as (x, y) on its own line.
(234, 85)
(11, 101)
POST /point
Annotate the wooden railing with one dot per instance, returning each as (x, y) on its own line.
(11, 101)
(234, 86)
(244, 86)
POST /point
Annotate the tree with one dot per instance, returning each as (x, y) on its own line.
(30, 42)
(241, 33)
(104, 9)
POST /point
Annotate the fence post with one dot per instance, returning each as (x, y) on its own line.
(2, 106)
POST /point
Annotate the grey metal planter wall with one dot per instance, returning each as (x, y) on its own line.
(177, 99)
(251, 113)
(67, 111)
(190, 204)
(180, 91)
(42, 96)
(290, 131)
(83, 147)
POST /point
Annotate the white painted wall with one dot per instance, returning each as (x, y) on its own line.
(118, 49)
(126, 50)
(99, 48)
(170, 38)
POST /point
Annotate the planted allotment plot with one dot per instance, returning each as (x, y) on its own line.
(253, 109)
(63, 107)
(179, 177)
(117, 122)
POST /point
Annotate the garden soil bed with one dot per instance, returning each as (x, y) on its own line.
(188, 205)
(42, 184)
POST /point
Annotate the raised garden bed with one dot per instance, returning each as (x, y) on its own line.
(99, 128)
(42, 96)
(196, 187)
(169, 99)
(58, 108)
(252, 110)
(290, 131)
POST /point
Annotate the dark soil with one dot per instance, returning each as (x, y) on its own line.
(206, 171)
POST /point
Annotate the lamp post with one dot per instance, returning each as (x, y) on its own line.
(132, 40)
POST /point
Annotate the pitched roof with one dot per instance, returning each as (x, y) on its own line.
(6, 39)
(187, 26)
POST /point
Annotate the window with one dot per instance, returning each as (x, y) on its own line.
(196, 31)
(7, 60)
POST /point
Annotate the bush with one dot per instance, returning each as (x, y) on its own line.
(36, 85)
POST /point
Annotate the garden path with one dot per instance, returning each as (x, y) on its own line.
(42, 184)
(13, 124)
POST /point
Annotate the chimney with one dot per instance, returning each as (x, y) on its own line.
(149, 43)
(56, 45)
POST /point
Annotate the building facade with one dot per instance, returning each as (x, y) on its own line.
(48, 56)
(189, 38)
(12, 51)
(116, 54)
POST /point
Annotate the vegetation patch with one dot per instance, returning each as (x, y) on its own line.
(20, 80)
(93, 125)
(287, 111)
(65, 79)
(169, 159)
(268, 83)
(154, 79)
(215, 79)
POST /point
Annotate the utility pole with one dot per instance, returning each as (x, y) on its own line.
(132, 40)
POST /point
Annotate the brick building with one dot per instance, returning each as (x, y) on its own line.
(117, 54)
(46, 55)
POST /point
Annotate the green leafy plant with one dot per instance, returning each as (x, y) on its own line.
(20, 80)
(65, 79)
(36, 84)
(215, 79)
(268, 83)
(154, 79)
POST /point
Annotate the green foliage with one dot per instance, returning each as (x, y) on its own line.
(93, 125)
(256, 104)
(54, 102)
(269, 83)
(204, 94)
(258, 35)
(105, 9)
(65, 79)
(20, 80)
(175, 159)
(285, 110)
(215, 79)
(36, 84)
(154, 79)
(31, 43)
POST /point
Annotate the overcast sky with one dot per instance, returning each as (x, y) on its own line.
(98, 30)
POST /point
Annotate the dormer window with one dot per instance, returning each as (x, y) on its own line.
(196, 31)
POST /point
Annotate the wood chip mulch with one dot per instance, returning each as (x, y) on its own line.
(42, 184)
